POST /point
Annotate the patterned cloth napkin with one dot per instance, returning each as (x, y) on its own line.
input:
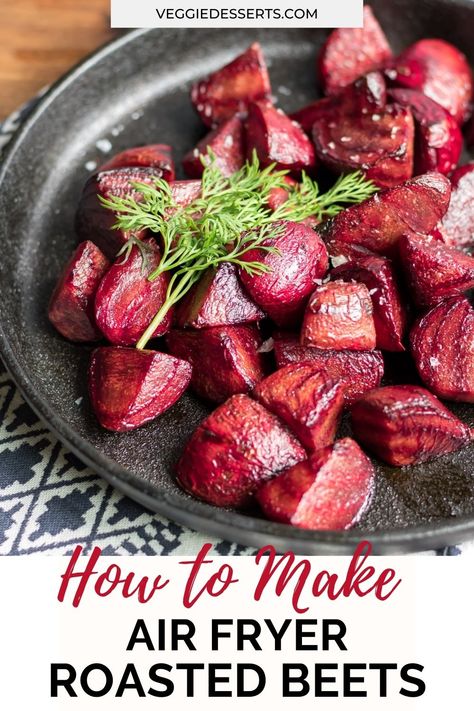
(50, 502)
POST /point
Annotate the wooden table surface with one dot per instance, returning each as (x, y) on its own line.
(41, 39)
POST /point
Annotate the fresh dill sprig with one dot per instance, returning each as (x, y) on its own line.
(229, 218)
(143, 248)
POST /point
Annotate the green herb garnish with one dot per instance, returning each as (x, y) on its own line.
(229, 218)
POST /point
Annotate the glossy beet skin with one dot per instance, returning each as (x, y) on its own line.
(355, 263)
(442, 345)
(277, 139)
(227, 144)
(458, 223)
(367, 95)
(128, 387)
(350, 52)
(434, 271)
(437, 69)
(218, 299)
(234, 451)
(71, 307)
(438, 138)
(405, 424)
(307, 401)
(278, 196)
(127, 301)
(309, 114)
(157, 156)
(229, 90)
(301, 260)
(378, 223)
(225, 359)
(94, 221)
(329, 491)
(379, 141)
(359, 371)
(339, 316)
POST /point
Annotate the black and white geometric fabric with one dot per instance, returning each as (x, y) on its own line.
(50, 502)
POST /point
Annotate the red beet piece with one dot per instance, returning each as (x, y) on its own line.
(128, 387)
(94, 221)
(278, 196)
(405, 424)
(359, 371)
(437, 69)
(355, 263)
(225, 359)
(307, 115)
(437, 234)
(227, 144)
(350, 52)
(234, 451)
(329, 491)
(378, 223)
(277, 139)
(232, 88)
(218, 299)
(458, 223)
(301, 260)
(157, 156)
(71, 307)
(380, 143)
(438, 138)
(368, 95)
(126, 301)
(305, 399)
(339, 316)
(442, 344)
(434, 271)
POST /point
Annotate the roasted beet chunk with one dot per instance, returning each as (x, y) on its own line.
(458, 223)
(71, 307)
(226, 143)
(129, 387)
(350, 52)
(437, 69)
(368, 95)
(339, 316)
(94, 221)
(307, 115)
(355, 263)
(278, 196)
(232, 88)
(379, 142)
(225, 359)
(184, 192)
(305, 399)
(438, 138)
(301, 260)
(277, 139)
(434, 271)
(329, 491)
(359, 371)
(234, 451)
(442, 343)
(157, 156)
(378, 223)
(127, 301)
(218, 299)
(405, 424)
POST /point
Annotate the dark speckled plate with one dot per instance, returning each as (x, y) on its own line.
(136, 91)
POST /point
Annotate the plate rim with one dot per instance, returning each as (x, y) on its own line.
(243, 529)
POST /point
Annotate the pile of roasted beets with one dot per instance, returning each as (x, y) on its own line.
(390, 274)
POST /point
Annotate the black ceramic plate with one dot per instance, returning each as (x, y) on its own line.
(136, 91)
